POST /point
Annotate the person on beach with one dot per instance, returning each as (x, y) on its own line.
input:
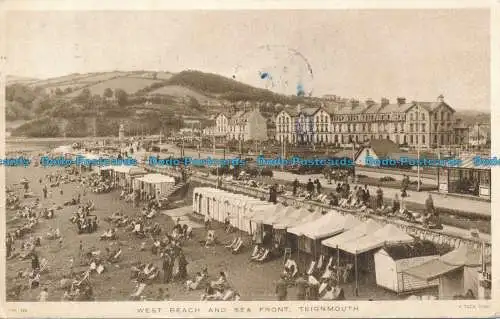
(182, 266)
(44, 295)
(167, 268)
(44, 189)
(380, 197)
(281, 288)
(310, 186)
(429, 205)
(318, 186)
(302, 285)
(295, 186)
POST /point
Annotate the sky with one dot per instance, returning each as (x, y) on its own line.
(414, 53)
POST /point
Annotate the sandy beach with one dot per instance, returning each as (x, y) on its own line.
(252, 281)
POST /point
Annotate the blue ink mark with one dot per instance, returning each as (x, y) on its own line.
(300, 90)
(264, 75)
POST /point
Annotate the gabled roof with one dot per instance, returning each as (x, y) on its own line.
(290, 111)
(431, 106)
(384, 147)
(348, 109)
(394, 108)
(309, 110)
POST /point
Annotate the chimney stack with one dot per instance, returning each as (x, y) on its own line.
(369, 102)
(299, 108)
(401, 100)
(354, 103)
(440, 98)
(384, 101)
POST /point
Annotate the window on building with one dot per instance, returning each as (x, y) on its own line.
(411, 127)
(435, 127)
(442, 139)
(411, 139)
(423, 127)
(423, 117)
(411, 117)
(436, 116)
(448, 116)
(423, 139)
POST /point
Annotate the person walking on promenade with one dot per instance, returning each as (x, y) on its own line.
(295, 186)
(310, 186)
(380, 197)
(318, 186)
(429, 205)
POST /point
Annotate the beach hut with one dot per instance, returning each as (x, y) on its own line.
(457, 272)
(123, 175)
(308, 235)
(154, 184)
(366, 228)
(392, 261)
(387, 235)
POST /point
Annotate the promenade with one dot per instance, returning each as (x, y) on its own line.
(440, 200)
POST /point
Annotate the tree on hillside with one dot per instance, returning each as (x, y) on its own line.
(193, 103)
(84, 97)
(121, 97)
(96, 101)
(59, 91)
(68, 90)
(108, 93)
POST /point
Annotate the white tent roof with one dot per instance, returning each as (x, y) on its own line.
(292, 218)
(278, 215)
(129, 169)
(261, 212)
(387, 235)
(156, 179)
(354, 233)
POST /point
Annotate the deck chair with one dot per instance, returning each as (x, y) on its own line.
(255, 251)
(100, 269)
(311, 268)
(327, 274)
(295, 268)
(154, 275)
(229, 295)
(264, 256)
(258, 255)
(321, 261)
(230, 246)
(328, 295)
(44, 265)
(330, 262)
(312, 281)
(137, 294)
(238, 247)
(322, 288)
(115, 257)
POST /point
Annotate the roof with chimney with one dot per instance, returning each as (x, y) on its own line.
(395, 108)
(351, 108)
(309, 110)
